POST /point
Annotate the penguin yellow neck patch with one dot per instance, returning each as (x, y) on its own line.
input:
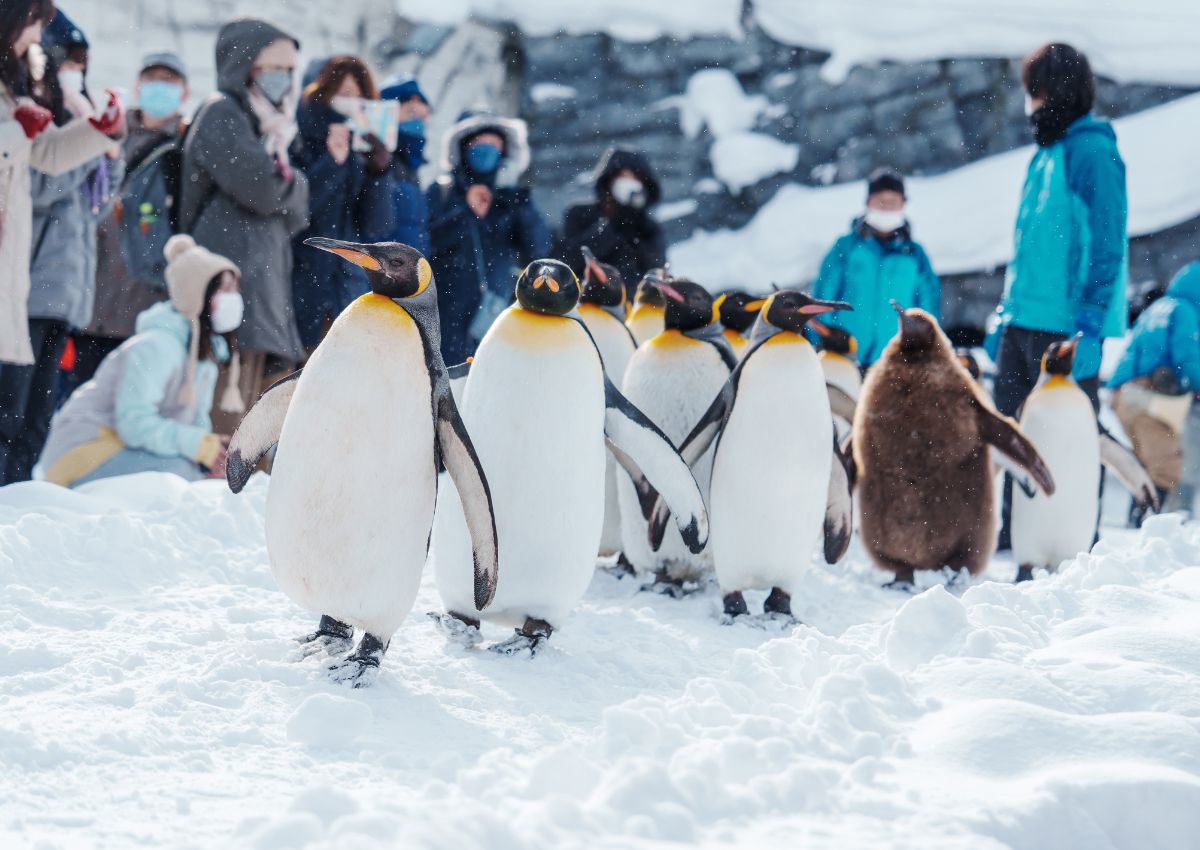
(1058, 382)
(787, 338)
(673, 339)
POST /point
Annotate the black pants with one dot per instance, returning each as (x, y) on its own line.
(90, 352)
(27, 397)
(1018, 366)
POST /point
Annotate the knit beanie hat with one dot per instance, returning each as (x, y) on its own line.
(190, 268)
(885, 180)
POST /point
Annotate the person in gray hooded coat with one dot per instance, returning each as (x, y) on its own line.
(241, 198)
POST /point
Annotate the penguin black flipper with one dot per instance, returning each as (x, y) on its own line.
(1014, 451)
(638, 442)
(840, 403)
(462, 463)
(839, 513)
(1129, 470)
(259, 431)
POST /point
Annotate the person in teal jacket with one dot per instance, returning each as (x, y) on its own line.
(876, 262)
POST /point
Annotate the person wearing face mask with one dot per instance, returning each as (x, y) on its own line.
(242, 198)
(482, 231)
(350, 193)
(160, 92)
(409, 206)
(147, 407)
(876, 262)
(67, 208)
(618, 226)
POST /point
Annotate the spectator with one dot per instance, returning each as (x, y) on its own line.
(147, 408)
(349, 194)
(1070, 254)
(876, 262)
(408, 201)
(617, 227)
(1156, 378)
(161, 91)
(241, 198)
(481, 231)
(66, 208)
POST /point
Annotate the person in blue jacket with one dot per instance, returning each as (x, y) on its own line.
(1070, 256)
(349, 195)
(1163, 358)
(482, 231)
(409, 207)
(875, 262)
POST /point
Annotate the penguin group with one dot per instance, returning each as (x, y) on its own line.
(683, 438)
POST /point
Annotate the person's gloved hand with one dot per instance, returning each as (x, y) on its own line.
(1088, 322)
(111, 119)
(32, 118)
(379, 158)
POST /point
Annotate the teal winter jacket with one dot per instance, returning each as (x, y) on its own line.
(1167, 335)
(868, 273)
(1071, 248)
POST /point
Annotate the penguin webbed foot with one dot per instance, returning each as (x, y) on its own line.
(901, 585)
(458, 628)
(331, 637)
(667, 585)
(530, 638)
(621, 568)
(1024, 573)
(361, 667)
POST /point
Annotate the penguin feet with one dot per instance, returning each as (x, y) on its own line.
(332, 637)
(667, 585)
(734, 606)
(778, 602)
(620, 568)
(457, 628)
(1024, 573)
(361, 667)
(903, 585)
(529, 638)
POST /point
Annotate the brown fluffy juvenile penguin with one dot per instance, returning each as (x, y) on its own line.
(921, 439)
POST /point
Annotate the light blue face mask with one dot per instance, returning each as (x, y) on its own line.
(274, 85)
(159, 99)
(483, 159)
(414, 127)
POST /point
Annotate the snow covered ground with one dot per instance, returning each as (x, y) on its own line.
(145, 700)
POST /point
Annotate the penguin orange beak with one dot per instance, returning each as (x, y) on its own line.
(351, 251)
(668, 290)
(592, 265)
(1067, 349)
(547, 281)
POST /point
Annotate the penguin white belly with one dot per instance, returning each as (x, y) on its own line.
(1058, 418)
(841, 372)
(616, 347)
(770, 479)
(672, 379)
(534, 406)
(353, 484)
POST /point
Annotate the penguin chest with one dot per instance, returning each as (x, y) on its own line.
(612, 340)
(534, 406)
(645, 322)
(1059, 420)
(770, 478)
(353, 484)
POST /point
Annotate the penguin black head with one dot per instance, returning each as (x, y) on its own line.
(393, 269)
(790, 310)
(647, 290)
(835, 340)
(918, 330)
(548, 286)
(602, 284)
(735, 310)
(689, 305)
(967, 359)
(1059, 358)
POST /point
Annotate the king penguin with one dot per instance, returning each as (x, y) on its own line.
(843, 377)
(646, 317)
(541, 412)
(779, 482)
(671, 378)
(360, 432)
(737, 315)
(1058, 418)
(920, 444)
(602, 309)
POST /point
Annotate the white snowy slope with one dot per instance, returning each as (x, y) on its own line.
(145, 702)
(964, 217)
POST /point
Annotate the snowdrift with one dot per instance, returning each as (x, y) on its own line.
(145, 701)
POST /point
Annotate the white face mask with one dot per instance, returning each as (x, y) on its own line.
(71, 80)
(1028, 106)
(226, 311)
(883, 221)
(629, 192)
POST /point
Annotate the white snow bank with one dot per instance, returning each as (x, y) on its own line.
(715, 99)
(964, 218)
(742, 159)
(629, 20)
(145, 702)
(1147, 42)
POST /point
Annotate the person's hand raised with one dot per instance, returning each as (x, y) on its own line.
(479, 199)
(338, 143)
(379, 158)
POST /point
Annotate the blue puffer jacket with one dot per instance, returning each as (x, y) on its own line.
(1167, 335)
(410, 209)
(868, 273)
(345, 202)
(1071, 246)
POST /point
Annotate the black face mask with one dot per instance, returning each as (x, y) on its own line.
(1049, 125)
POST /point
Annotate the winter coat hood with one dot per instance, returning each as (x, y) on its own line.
(1186, 284)
(164, 317)
(516, 144)
(617, 159)
(238, 45)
